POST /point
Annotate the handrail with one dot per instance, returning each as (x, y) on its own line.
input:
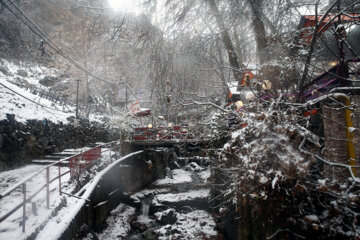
(12, 188)
(46, 185)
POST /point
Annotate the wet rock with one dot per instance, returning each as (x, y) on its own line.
(4, 71)
(60, 87)
(167, 217)
(138, 226)
(194, 167)
(22, 73)
(186, 209)
(71, 119)
(22, 81)
(48, 81)
(148, 234)
(175, 231)
(43, 141)
(1, 140)
(11, 118)
(65, 75)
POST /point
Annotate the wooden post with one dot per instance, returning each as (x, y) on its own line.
(59, 180)
(77, 98)
(47, 188)
(24, 206)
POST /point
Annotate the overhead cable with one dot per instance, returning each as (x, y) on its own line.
(37, 31)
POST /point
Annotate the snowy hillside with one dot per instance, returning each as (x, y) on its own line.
(21, 102)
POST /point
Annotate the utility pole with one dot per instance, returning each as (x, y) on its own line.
(126, 93)
(77, 98)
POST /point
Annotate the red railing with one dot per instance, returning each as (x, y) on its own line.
(80, 162)
(77, 164)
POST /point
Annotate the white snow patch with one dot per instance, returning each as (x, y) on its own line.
(184, 196)
(179, 176)
(118, 223)
(11, 227)
(274, 182)
(322, 182)
(194, 225)
(204, 175)
(146, 192)
(263, 180)
(24, 109)
(312, 218)
(236, 133)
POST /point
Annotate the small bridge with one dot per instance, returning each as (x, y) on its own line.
(129, 146)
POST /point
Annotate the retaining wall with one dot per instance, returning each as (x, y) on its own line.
(22, 142)
(128, 174)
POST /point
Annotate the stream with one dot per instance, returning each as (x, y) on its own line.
(172, 208)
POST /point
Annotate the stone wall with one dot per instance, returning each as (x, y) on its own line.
(22, 142)
(110, 187)
(335, 131)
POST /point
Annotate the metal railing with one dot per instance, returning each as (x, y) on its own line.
(77, 164)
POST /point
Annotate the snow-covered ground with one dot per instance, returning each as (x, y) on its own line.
(183, 196)
(204, 175)
(118, 223)
(178, 176)
(24, 109)
(11, 228)
(24, 104)
(182, 220)
(197, 224)
(64, 206)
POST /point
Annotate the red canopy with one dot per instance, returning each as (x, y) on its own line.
(308, 21)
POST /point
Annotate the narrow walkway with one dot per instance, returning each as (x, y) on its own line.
(36, 212)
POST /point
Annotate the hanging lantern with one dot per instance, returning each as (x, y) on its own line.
(266, 85)
(239, 104)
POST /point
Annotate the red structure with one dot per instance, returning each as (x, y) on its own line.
(81, 161)
(309, 21)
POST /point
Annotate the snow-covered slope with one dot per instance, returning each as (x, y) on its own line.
(21, 102)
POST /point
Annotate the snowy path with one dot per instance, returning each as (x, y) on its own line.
(11, 228)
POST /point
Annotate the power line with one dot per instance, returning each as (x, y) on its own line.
(37, 31)
(43, 106)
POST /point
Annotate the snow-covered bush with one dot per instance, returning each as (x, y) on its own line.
(271, 180)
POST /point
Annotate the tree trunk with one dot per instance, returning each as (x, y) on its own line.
(238, 47)
(259, 30)
(232, 56)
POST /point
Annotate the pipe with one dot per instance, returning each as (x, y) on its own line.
(349, 134)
